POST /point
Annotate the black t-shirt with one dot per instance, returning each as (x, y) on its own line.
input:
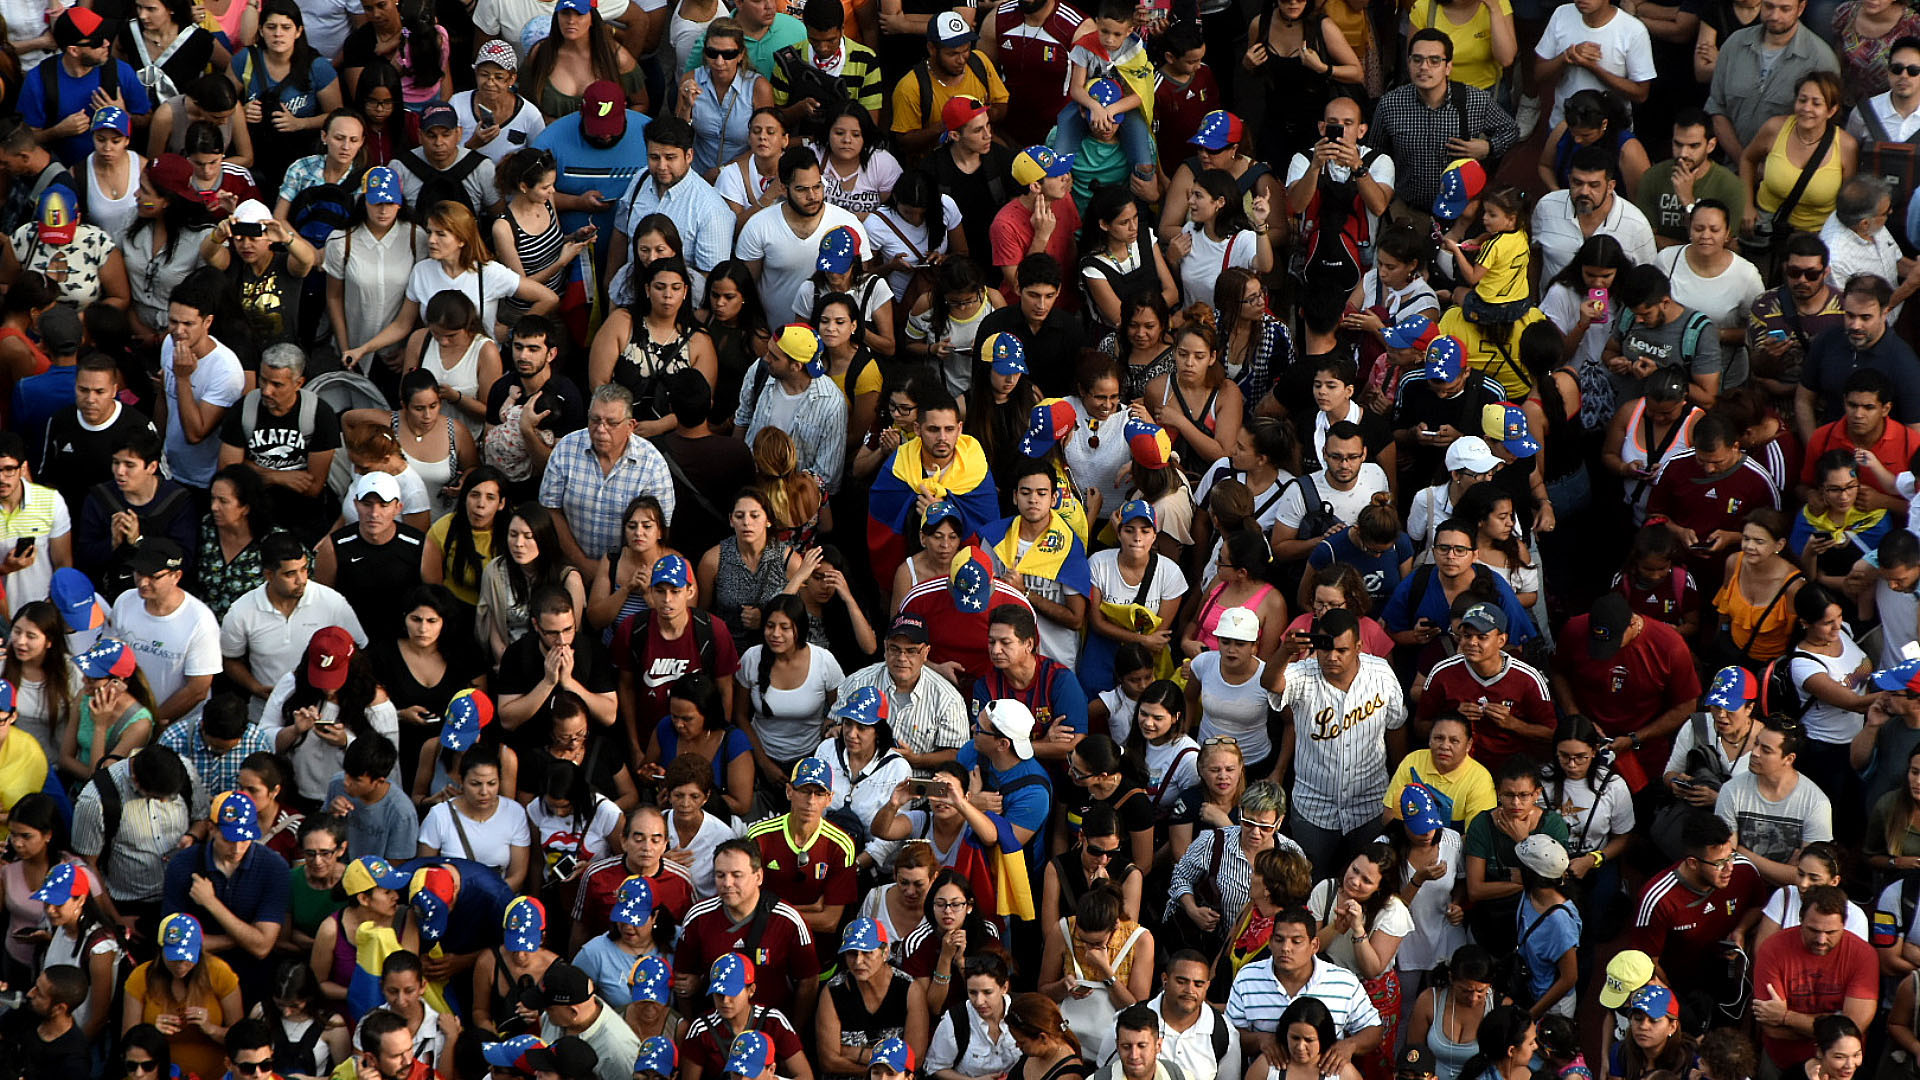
(270, 300)
(375, 578)
(560, 397)
(979, 194)
(188, 62)
(522, 667)
(74, 458)
(276, 442)
(1051, 352)
(712, 466)
(1135, 814)
(1420, 409)
(67, 1055)
(605, 757)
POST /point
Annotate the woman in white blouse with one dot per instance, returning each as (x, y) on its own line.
(315, 711)
(458, 259)
(1708, 277)
(367, 266)
(478, 824)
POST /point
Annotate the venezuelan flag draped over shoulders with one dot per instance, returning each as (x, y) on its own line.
(965, 482)
(1057, 553)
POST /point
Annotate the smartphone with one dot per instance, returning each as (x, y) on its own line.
(1336, 131)
(1681, 781)
(921, 789)
(1601, 297)
(1429, 432)
(249, 228)
(22, 546)
(1776, 335)
(1705, 545)
(483, 114)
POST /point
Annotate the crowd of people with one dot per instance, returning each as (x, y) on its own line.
(890, 540)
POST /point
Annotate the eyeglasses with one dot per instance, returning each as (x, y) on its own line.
(952, 905)
(1220, 740)
(148, 1065)
(320, 853)
(605, 423)
(1840, 489)
(1575, 758)
(1452, 549)
(1805, 273)
(1903, 69)
(1346, 458)
(1249, 825)
(1717, 864)
(1418, 60)
(722, 54)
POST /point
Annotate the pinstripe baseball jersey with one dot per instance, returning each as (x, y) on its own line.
(1340, 741)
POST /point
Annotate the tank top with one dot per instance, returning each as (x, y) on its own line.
(1206, 420)
(437, 474)
(537, 251)
(861, 1026)
(177, 135)
(1072, 876)
(1762, 629)
(1211, 611)
(462, 375)
(643, 367)
(635, 603)
(1639, 450)
(294, 1053)
(1780, 175)
(1449, 1057)
(114, 215)
(1091, 1018)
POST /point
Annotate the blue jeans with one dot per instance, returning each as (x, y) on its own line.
(1135, 141)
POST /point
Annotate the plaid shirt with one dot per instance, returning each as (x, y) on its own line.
(594, 500)
(1415, 136)
(819, 426)
(932, 717)
(221, 772)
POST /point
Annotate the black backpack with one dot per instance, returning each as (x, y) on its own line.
(443, 185)
(1319, 515)
(1511, 979)
(1779, 695)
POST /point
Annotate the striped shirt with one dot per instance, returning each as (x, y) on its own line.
(1340, 741)
(818, 423)
(594, 500)
(1236, 868)
(932, 716)
(1257, 998)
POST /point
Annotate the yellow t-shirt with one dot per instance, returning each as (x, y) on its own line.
(1470, 787)
(907, 112)
(1504, 257)
(23, 767)
(191, 1049)
(467, 590)
(1484, 353)
(869, 382)
(1473, 62)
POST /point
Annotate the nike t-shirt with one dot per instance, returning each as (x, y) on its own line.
(656, 662)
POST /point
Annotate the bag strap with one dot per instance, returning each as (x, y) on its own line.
(1544, 916)
(1785, 210)
(1655, 453)
(918, 255)
(693, 491)
(1869, 118)
(1226, 259)
(454, 813)
(1779, 594)
(1146, 580)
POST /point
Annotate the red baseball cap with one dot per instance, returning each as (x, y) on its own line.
(328, 655)
(960, 110)
(603, 111)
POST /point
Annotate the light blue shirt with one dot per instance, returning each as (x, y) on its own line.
(720, 120)
(705, 221)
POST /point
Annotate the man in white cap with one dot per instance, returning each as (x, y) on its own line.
(1469, 460)
(375, 561)
(1006, 779)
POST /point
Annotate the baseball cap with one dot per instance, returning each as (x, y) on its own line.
(79, 26)
(72, 592)
(564, 984)
(63, 882)
(569, 1055)
(1218, 130)
(524, 925)
(1733, 686)
(381, 185)
(959, 111)
(60, 330)
(107, 659)
(1420, 810)
(371, 872)
(1048, 423)
(512, 1054)
(578, 7)
(58, 215)
(467, 713)
(948, 30)
(1446, 359)
(1543, 855)
(893, 1054)
(866, 706)
(1013, 721)
(750, 1055)
(158, 555)
(1413, 1061)
(1414, 331)
(970, 580)
(329, 652)
(180, 934)
(811, 772)
(1149, 443)
(839, 250)
(863, 935)
(911, 627)
(1470, 452)
(439, 115)
(1238, 624)
(1901, 676)
(657, 1055)
(113, 118)
(1007, 354)
(7, 696)
(1485, 618)
(1606, 625)
(938, 511)
(1459, 185)
(173, 174)
(671, 570)
(632, 902)
(798, 341)
(375, 485)
(498, 52)
(650, 979)
(1655, 1001)
(1104, 91)
(255, 212)
(1037, 163)
(603, 109)
(1627, 972)
(431, 892)
(731, 974)
(1507, 422)
(236, 816)
(1137, 510)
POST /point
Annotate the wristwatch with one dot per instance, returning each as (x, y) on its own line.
(1691, 205)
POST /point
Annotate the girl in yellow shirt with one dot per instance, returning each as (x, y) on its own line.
(1497, 265)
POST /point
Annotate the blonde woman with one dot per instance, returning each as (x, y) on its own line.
(458, 259)
(797, 497)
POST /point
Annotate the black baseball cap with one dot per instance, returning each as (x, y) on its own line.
(908, 626)
(1414, 1061)
(1607, 626)
(565, 984)
(158, 554)
(569, 1055)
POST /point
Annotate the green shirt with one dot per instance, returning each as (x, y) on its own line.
(309, 906)
(1095, 164)
(1668, 215)
(1497, 847)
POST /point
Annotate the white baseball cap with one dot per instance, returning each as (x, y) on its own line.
(252, 212)
(1238, 624)
(1543, 855)
(1470, 452)
(380, 485)
(1012, 721)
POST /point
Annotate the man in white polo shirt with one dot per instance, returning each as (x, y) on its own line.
(1261, 992)
(266, 631)
(1192, 1035)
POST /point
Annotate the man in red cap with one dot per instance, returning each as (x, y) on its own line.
(596, 158)
(972, 168)
(60, 95)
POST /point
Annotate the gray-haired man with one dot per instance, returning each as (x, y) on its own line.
(287, 435)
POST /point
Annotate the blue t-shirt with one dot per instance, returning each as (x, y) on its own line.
(37, 397)
(731, 747)
(584, 167)
(1400, 614)
(252, 74)
(389, 828)
(74, 95)
(1545, 946)
(1381, 572)
(257, 892)
(1029, 806)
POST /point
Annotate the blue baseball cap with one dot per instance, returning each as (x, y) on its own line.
(650, 979)
(938, 511)
(512, 1054)
(1459, 185)
(525, 925)
(1137, 510)
(63, 882)
(750, 1055)
(107, 659)
(432, 894)
(440, 114)
(1507, 422)
(1408, 332)
(866, 706)
(839, 250)
(671, 570)
(1048, 423)
(113, 118)
(812, 771)
(371, 872)
(632, 902)
(1104, 91)
(1007, 354)
(730, 975)
(657, 1055)
(798, 341)
(893, 1054)
(1420, 809)
(1446, 359)
(1218, 130)
(236, 816)
(6, 697)
(863, 935)
(971, 582)
(72, 593)
(1655, 1001)
(1037, 163)
(470, 711)
(1485, 618)
(381, 187)
(181, 938)
(1734, 686)
(1902, 676)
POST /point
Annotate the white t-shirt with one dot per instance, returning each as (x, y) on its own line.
(1346, 504)
(732, 187)
(1382, 171)
(1393, 919)
(376, 282)
(506, 18)
(873, 297)
(35, 581)
(788, 721)
(493, 839)
(1561, 306)
(491, 283)
(891, 234)
(712, 833)
(217, 381)
(1266, 507)
(862, 192)
(515, 134)
(1120, 710)
(1725, 298)
(1227, 709)
(1168, 582)
(171, 648)
(1209, 258)
(554, 836)
(1829, 723)
(1783, 907)
(1593, 819)
(787, 260)
(1626, 50)
(1057, 642)
(1186, 773)
(1434, 938)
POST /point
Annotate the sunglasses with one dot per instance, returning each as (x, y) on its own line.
(1806, 273)
(1903, 69)
(253, 1067)
(1102, 852)
(722, 54)
(148, 1065)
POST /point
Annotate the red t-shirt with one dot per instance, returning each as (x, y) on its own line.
(956, 635)
(657, 662)
(1682, 930)
(1895, 448)
(1685, 495)
(1032, 61)
(923, 944)
(782, 961)
(1012, 232)
(709, 1038)
(1652, 674)
(593, 903)
(1519, 686)
(1177, 112)
(1814, 985)
(1664, 602)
